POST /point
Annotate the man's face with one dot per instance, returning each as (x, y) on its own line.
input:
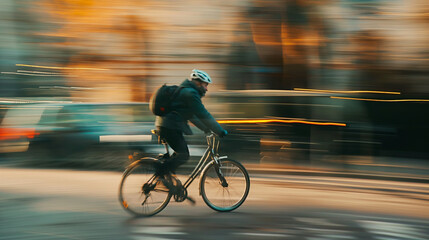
(203, 86)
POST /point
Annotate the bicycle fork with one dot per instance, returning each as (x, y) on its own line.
(219, 173)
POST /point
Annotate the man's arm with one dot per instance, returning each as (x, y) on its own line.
(199, 124)
(197, 107)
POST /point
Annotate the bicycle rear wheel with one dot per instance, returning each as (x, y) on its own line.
(225, 196)
(140, 192)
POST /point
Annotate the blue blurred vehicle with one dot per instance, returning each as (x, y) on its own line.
(85, 132)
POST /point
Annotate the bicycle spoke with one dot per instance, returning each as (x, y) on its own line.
(150, 199)
(145, 199)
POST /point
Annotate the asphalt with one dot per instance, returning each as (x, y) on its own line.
(379, 168)
(365, 167)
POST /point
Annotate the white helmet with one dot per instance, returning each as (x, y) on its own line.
(201, 76)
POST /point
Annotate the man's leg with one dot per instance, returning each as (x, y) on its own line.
(178, 143)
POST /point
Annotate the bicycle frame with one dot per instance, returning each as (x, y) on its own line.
(147, 198)
(210, 156)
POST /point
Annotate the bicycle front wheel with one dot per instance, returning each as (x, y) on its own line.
(140, 192)
(225, 187)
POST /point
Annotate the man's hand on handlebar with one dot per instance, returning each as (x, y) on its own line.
(222, 134)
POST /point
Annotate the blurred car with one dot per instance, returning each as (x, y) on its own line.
(77, 131)
(17, 127)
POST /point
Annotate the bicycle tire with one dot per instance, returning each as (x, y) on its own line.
(132, 195)
(221, 198)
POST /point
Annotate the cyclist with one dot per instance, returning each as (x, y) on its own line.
(186, 106)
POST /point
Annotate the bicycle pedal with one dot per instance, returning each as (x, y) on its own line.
(191, 200)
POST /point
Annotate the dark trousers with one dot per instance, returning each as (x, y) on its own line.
(177, 142)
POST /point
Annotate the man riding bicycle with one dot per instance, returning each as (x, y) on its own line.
(186, 106)
(224, 183)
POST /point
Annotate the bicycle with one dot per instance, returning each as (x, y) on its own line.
(224, 183)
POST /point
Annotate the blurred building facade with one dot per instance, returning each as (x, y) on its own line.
(87, 50)
(120, 51)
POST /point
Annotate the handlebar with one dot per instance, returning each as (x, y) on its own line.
(213, 141)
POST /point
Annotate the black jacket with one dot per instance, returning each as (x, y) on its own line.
(188, 106)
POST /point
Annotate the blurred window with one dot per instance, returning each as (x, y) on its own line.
(22, 116)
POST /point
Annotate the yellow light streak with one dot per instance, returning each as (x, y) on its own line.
(50, 67)
(382, 100)
(335, 91)
(37, 72)
(250, 121)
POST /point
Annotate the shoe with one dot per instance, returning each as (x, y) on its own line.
(173, 184)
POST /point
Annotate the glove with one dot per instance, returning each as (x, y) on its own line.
(223, 134)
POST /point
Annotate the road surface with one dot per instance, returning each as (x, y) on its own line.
(70, 204)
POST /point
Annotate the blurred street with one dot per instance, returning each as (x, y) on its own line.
(325, 103)
(72, 204)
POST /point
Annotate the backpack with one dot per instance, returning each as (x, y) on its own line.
(160, 101)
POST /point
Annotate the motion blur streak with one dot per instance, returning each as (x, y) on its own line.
(335, 91)
(31, 74)
(279, 121)
(38, 72)
(52, 67)
(383, 100)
